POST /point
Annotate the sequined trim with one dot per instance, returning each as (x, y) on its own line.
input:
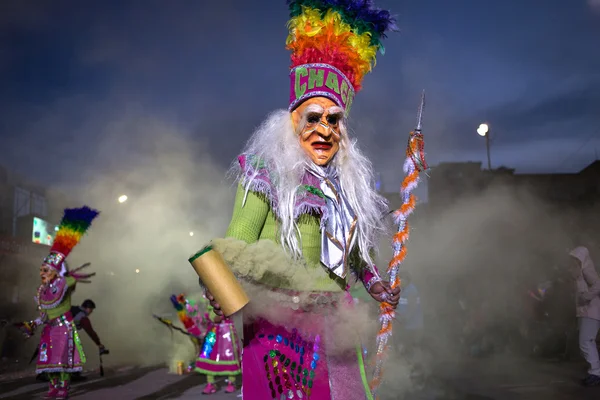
(59, 369)
(372, 281)
(256, 176)
(292, 364)
(54, 260)
(315, 93)
(73, 345)
(51, 296)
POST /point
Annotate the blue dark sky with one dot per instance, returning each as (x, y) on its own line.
(74, 74)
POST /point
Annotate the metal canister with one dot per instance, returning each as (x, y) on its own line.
(180, 367)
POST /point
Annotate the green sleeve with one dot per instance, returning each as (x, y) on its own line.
(248, 218)
(70, 281)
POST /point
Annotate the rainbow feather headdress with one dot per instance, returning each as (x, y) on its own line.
(188, 313)
(74, 224)
(334, 44)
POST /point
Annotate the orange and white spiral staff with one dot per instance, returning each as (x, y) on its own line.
(413, 165)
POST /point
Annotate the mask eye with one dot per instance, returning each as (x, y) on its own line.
(313, 119)
(333, 119)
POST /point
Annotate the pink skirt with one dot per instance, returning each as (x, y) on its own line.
(60, 348)
(294, 363)
(220, 351)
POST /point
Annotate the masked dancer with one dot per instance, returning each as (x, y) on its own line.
(307, 217)
(60, 351)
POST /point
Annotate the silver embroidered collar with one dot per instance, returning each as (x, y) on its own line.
(339, 228)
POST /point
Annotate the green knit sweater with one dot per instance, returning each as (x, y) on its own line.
(255, 221)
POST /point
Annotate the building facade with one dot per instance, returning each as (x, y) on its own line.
(569, 202)
(450, 182)
(28, 216)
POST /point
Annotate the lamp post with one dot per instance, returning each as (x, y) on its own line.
(484, 130)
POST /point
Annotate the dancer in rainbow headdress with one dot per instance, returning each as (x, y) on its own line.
(307, 218)
(218, 347)
(190, 315)
(220, 353)
(60, 351)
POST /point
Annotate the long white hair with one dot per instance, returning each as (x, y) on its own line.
(276, 143)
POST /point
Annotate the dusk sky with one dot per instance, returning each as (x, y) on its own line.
(72, 72)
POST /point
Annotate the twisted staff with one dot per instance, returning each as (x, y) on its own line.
(413, 165)
(170, 325)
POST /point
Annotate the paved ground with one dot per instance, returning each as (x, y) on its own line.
(126, 384)
(480, 379)
(503, 378)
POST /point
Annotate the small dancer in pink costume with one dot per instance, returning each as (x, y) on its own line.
(220, 353)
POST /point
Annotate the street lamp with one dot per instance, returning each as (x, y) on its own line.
(122, 199)
(484, 130)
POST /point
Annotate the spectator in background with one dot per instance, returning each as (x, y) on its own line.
(587, 286)
(81, 319)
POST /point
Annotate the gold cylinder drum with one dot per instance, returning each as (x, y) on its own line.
(180, 367)
(218, 278)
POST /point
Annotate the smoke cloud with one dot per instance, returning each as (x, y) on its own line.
(177, 200)
(473, 259)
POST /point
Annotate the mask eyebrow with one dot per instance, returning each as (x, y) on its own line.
(335, 110)
(314, 109)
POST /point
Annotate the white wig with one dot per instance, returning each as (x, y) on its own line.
(277, 144)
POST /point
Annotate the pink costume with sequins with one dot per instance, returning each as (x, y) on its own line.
(60, 348)
(220, 351)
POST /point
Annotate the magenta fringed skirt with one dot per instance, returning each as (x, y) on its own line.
(60, 349)
(294, 363)
(220, 351)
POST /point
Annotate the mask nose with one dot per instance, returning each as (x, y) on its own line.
(323, 130)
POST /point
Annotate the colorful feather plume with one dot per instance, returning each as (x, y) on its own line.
(79, 276)
(345, 34)
(180, 303)
(74, 224)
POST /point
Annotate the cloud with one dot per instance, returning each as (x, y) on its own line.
(146, 39)
(201, 70)
(576, 103)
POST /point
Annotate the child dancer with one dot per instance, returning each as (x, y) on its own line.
(220, 353)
